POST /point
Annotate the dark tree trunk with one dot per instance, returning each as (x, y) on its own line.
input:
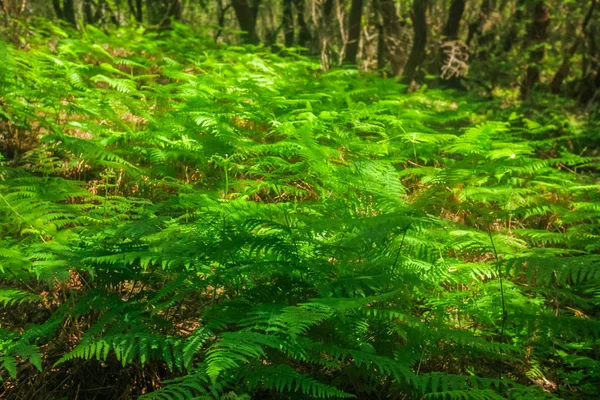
(136, 10)
(392, 27)
(58, 9)
(481, 30)
(537, 34)
(380, 47)
(565, 66)
(139, 12)
(66, 11)
(327, 7)
(246, 16)
(304, 36)
(88, 13)
(221, 12)
(288, 23)
(590, 77)
(156, 10)
(417, 53)
(451, 79)
(354, 31)
(514, 28)
(160, 12)
(457, 8)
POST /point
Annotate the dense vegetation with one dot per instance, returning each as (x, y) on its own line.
(188, 219)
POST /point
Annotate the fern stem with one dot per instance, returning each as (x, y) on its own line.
(226, 168)
(504, 314)
(289, 226)
(20, 216)
(400, 248)
(421, 360)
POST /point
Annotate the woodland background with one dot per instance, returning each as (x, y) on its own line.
(505, 43)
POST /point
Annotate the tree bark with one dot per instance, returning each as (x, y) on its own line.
(455, 14)
(288, 23)
(136, 10)
(139, 16)
(516, 20)
(246, 16)
(88, 13)
(160, 12)
(565, 66)
(380, 47)
(537, 33)
(57, 8)
(304, 36)
(417, 53)
(66, 11)
(457, 8)
(392, 27)
(354, 31)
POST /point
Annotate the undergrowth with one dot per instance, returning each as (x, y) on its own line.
(182, 221)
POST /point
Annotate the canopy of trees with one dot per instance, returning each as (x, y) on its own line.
(259, 199)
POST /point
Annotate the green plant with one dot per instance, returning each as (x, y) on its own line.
(185, 220)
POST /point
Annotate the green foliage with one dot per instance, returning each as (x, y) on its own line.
(238, 224)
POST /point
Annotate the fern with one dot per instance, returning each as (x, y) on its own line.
(236, 224)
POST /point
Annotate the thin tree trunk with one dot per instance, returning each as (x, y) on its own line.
(516, 20)
(139, 16)
(160, 12)
(590, 73)
(304, 36)
(380, 47)
(565, 66)
(246, 17)
(66, 11)
(136, 10)
(88, 13)
(156, 10)
(222, 11)
(288, 23)
(537, 35)
(354, 31)
(455, 14)
(392, 28)
(69, 12)
(58, 9)
(417, 53)
(457, 8)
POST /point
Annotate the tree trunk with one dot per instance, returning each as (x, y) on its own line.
(136, 10)
(417, 53)
(139, 16)
(449, 71)
(391, 34)
(160, 12)
(88, 13)
(457, 8)
(380, 47)
(354, 31)
(156, 10)
(66, 11)
(565, 66)
(288, 23)
(57, 9)
(246, 17)
(304, 36)
(69, 12)
(516, 20)
(590, 76)
(537, 34)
